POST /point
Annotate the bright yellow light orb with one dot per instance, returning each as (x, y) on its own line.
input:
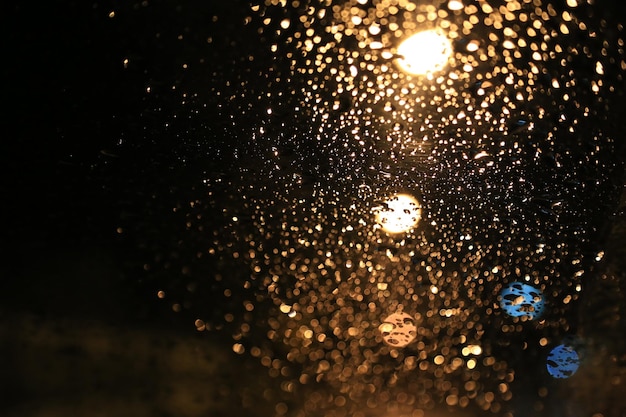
(424, 52)
(400, 214)
(455, 5)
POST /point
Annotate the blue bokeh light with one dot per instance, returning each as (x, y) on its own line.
(563, 361)
(522, 300)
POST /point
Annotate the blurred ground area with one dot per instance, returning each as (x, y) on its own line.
(78, 340)
(74, 367)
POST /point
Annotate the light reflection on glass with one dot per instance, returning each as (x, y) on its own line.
(400, 214)
(424, 52)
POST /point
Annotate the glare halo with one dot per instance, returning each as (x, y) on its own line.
(424, 52)
(401, 214)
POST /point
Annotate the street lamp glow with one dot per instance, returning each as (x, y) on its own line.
(400, 214)
(424, 52)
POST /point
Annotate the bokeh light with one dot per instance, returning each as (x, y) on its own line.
(399, 213)
(522, 300)
(563, 361)
(455, 5)
(424, 52)
(398, 330)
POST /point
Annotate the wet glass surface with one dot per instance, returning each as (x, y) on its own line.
(381, 207)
